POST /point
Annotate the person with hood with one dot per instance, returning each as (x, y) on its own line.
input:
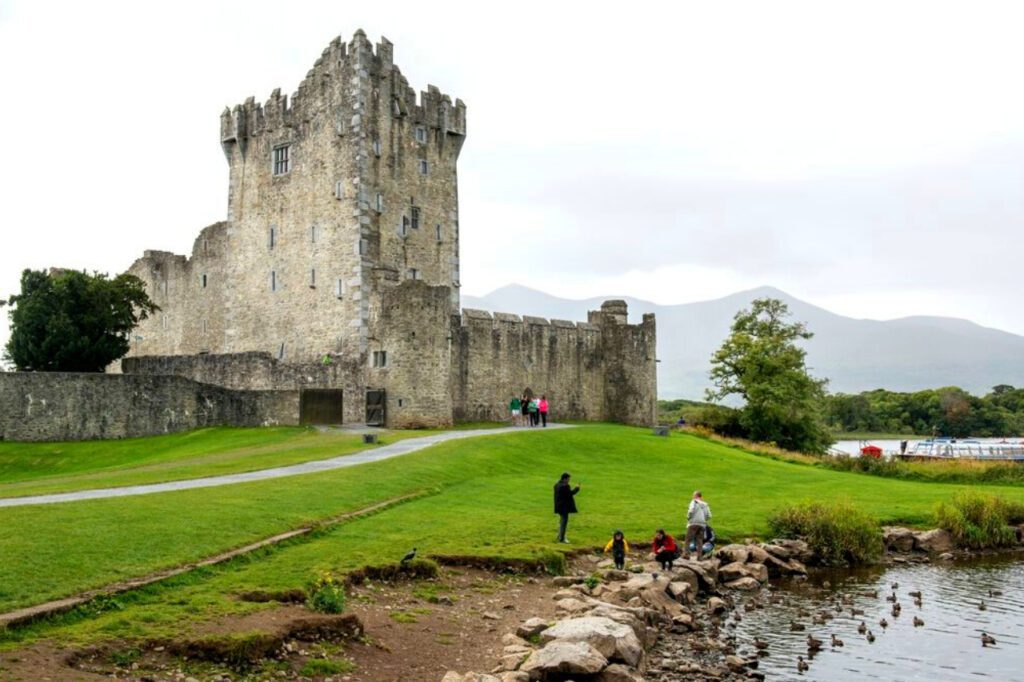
(565, 504)
(697, 517)
(618, 547)
(664, 549)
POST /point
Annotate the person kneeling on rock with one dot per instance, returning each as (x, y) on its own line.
(665, 549)
(618, 547)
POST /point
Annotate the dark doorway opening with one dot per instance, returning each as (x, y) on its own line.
(320, 406)
(375, 400)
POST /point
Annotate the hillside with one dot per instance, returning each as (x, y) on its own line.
(905, 354)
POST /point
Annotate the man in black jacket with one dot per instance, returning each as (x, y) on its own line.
(565, 504)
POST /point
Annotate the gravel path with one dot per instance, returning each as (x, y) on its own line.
(397, 449)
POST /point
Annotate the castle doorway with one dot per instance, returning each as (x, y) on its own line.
(320, 406)
(375, 400)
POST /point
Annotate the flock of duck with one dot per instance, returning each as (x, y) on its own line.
(838, 605)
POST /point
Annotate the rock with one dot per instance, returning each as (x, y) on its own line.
(515, 677)
(565, 657)
(798, 549)
(682, 592)
(756, 554)
(565, 580)
(733, 554)
(616, 575)
(571, 605)
(566, 594)
(897, 539)
(745, 583)
(624, 617)
(778, 551)
(451, 676)
(716, 605)
(687, 576)
(617, 672)
(510, 639)
(946, 556)
(516, 649)
(531, 628)
(735, 570)
(511, 662)
(615, 641)
(684, 621)
(491, 615)
(934, 541)
(707, 572)
(736, 663)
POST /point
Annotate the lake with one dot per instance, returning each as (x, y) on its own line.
(947, 647)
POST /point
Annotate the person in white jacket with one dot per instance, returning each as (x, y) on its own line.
(697, 517)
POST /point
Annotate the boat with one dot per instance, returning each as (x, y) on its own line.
(955, 448)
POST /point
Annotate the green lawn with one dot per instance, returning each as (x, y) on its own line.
(36, 468)
(492, 496)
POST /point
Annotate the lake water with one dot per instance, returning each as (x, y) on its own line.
(947, 647)
(853, 446)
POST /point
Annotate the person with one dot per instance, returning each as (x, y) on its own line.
(524, 404)
(534, 417)
(542, 409)
(665, 549)
(565, 504)
(516, 408)
(903, 447)
(708, 545)
(618, 547)
(697, 517)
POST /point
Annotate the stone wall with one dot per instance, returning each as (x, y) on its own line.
(56, 406)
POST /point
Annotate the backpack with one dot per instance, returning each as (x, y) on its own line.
(709, 534)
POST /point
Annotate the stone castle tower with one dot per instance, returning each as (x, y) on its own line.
(337, 269)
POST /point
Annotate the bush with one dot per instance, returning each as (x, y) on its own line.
(979, 521)
(838, 533)
(326, 595)
(554, 563)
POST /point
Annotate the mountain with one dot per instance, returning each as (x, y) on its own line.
(905, 354)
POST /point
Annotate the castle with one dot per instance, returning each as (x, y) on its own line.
(336, 272)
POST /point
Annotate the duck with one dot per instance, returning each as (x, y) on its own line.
(871, 636)
(813, 643)
(891, 598)
(818, 620)
(884, 623)
(982, 606)
(916, 594)
(856, 612)
(987, 639)
(895, 586)
(760, 644)
(836, 641)
(873, 594)
(918, 603)
(862, 628)
(896, 608)
(801, 664)
(995, 593)
(918, 622)
(795, 626)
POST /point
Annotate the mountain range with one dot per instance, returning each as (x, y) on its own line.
(905, 354)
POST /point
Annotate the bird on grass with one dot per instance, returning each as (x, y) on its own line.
(918, 622)
(862, 628)
(801, 664)
(871, 636)
(836, 641)
(987, 639)
(408, 557)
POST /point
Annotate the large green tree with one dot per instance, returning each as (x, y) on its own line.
(70, 321)
(762, 363)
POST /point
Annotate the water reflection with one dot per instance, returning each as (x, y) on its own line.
(946, 647)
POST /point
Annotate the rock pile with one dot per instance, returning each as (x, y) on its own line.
(612, 619)
(904, 540)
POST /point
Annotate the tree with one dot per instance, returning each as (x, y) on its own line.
(69, 321)
(761, 363)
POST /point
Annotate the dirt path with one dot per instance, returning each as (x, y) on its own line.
(403, 447)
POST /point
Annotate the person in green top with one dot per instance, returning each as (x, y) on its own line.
(516, 408)
(534, 415)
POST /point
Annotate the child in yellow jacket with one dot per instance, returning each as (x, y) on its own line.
(618, 547)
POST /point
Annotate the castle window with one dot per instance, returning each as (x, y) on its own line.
(376, 146)
(403, 229)
(273, 280)
(206, 246)
(203, 280)
(380, 202)
(312, 234)
(312, 278)
(361, 247)
(424, 167)
(415, 222)
(272, 238)
(339, 190)
(205, 326)
(380, 358)
(437, 232)
(280, 352)
(400, 402)
(421, 134)
(414, 273)
(282, 160)
(339, 288)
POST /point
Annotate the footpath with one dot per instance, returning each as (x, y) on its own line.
(397, 449)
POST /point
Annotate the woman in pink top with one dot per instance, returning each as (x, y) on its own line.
(542, 407)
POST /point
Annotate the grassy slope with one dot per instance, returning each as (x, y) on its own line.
(495, 498)
(35, 468)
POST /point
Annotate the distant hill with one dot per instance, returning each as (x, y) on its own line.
(906, 354)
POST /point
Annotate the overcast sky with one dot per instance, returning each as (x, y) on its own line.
(865, 156)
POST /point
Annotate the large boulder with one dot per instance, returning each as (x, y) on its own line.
(565, 658)
(756, 554)
(617, 672)
(733, 554)
(531, 628)
(685, 575)
(798, 549)
(934, 541)
(615, 641)
(897, 539)
(707, 572)
(716, 606)
(736, 570)
(625, 617)
(571, 605)
(683, 592)
(745, 583)
(778, 551)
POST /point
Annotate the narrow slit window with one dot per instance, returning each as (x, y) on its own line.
(380, 202)
(273, 280)
(424, 167)
(339, 190)
(312, 278)
(313, 234)
(437, 232)
(404, 228)
(415, 221)
(280, 352)
(204, 280)
(339, 288)
(272, 238)
(282, 159)
(376, 146)
(414, 273)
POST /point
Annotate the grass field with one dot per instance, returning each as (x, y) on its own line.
(490, 496)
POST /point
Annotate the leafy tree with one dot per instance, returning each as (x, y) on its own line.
(69, 321)
(761, 363)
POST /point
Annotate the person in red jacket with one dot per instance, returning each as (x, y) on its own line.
(542, 408)
(665, 549)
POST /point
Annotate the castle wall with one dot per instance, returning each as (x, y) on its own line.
(56, 406)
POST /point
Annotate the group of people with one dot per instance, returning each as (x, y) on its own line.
(529, 411)
(700, 537)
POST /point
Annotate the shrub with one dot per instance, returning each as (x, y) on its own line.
(979, 521)
(592, 581)
(326, 595)
(838, 533)
(554, 562)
